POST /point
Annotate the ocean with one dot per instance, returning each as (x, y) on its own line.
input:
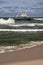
(14, 32)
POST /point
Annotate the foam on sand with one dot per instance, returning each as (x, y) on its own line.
(4, 49)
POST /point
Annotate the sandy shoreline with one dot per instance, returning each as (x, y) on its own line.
(29, 56)
(36, 62)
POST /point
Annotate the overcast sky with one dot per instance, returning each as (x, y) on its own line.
(11, 7)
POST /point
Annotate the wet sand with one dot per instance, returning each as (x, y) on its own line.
(29, 56)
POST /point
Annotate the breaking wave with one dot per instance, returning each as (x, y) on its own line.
(24, 24)
(6, 22)
(27, 24)
(38, 18)
(12, 25)
(4, 49)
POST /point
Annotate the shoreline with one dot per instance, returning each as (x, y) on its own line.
(28, 55)
(34, 62)
(4, 49)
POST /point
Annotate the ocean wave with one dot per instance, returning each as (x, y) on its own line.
(11, 24)
(27, 24)
(4, 49)
(38, 18)
(24, 24)
(22, 30)
(7, 22)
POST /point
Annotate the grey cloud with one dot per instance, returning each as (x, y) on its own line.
(40, 2)
(3, 2)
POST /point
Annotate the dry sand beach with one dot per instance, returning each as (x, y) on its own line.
(29, 56)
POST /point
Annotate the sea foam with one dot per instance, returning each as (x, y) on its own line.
(38, 18)
(4, 49)
(7, 22)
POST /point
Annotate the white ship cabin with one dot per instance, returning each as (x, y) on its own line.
(22, 15)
